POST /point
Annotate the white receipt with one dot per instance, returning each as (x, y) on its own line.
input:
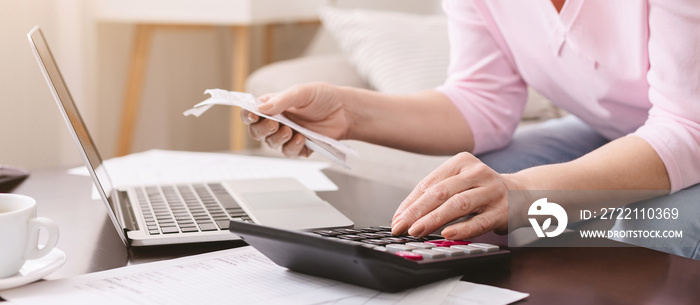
(328, 147)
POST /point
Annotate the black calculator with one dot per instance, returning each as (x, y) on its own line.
(371, 257)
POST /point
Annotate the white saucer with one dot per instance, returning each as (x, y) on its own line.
(35, 269)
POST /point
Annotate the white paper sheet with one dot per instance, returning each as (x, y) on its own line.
(165, 166)
(466, 293)
(326, 146)
(236, 276)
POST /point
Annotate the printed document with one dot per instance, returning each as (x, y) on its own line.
(171, 167)
(236, 276)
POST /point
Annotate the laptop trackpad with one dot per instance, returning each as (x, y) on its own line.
(281, 200)
(293, 210)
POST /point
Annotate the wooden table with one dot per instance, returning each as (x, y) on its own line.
(240, 15)
(615, 275)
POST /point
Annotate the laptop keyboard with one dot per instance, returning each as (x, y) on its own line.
(188, 208)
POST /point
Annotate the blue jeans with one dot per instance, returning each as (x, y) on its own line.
(568, 138)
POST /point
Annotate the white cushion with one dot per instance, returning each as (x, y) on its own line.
(394, 52)
(276, 77)
(400, 53)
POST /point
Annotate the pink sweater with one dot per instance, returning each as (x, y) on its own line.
(624, 67)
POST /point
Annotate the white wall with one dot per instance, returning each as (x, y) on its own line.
(31, 129)
(181, 65)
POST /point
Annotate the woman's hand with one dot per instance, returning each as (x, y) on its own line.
(316, 106)
(461, 186)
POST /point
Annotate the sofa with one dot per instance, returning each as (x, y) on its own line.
(387, 51)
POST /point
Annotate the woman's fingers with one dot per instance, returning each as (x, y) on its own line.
(450, 168)
(295, 147)
(279, 138)
(263, 128)
(277, 135)
(315, 106)
(477, 225)
(266, 97)
(248, 117)
(297, 96)
(431, 198)
(471, 201)
(460, 187)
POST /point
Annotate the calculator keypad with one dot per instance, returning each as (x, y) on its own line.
(408, 247)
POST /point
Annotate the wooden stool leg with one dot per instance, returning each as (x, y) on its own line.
(240, 69)
(134, 86)
(269, 33)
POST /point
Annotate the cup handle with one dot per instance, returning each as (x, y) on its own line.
(35, 224)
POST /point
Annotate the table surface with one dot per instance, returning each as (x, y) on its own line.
(615, 275)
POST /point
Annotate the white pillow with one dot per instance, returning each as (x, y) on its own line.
(400, 53)
(396, 53)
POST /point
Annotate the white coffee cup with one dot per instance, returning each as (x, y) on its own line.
(19, 233)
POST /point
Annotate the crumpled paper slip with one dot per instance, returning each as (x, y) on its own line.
(326, 146)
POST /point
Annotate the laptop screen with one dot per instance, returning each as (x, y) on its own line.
(75, 122)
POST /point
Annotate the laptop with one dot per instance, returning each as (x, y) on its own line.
(186, 213)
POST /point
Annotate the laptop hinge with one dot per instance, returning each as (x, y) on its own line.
(127, 212)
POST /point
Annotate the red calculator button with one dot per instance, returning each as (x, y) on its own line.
(409, 255)
(455, 243)
(448, 243)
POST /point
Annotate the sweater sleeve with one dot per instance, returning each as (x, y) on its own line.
(483, 81)
(673, 126)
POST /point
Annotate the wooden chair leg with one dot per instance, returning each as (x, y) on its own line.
(269, 33)
(134, 86)
(240, 69)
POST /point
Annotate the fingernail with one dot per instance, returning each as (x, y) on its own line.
(271, 125)
(417, 229)
(299, 140)
(399, 228)
(250, 117)
(394, 220)
(449, 233)
(264, 107)
(287, 136)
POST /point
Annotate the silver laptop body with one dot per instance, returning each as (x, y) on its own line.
(186, 213)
